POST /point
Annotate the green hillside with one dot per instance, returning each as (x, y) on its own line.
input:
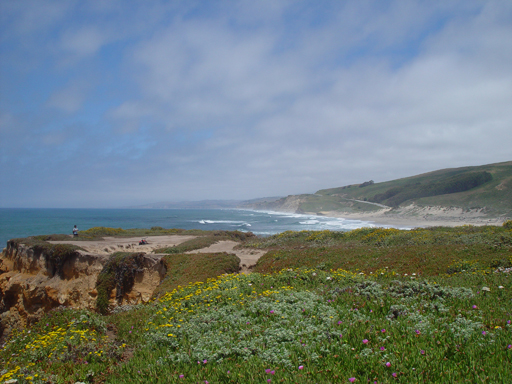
(486, 186)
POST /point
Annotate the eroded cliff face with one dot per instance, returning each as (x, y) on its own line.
(31, 285)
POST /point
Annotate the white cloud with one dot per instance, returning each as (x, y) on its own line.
(85, 41)
(245, 99)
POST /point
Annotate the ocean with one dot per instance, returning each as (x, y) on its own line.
(19, 222)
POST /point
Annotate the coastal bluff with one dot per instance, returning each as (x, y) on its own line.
(35, 280)
(41, 273)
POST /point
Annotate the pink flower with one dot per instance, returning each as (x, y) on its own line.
(394, 374)
(484, 333)
(365, 341)
(205, 361)
(301, 367)
(382, 348)
(383, 330)
(272, 311)
(339, 322)
(268, 380)
(267, 371)
(475, 307)
(509, 346)
(422, 352)
(351, 379)
(182, 376)
(272, 372)
(388, 364)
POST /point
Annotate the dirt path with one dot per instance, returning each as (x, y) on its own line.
(131, 244)
(248, 257)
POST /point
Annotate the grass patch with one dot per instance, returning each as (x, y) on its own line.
(206, 240)
(184, 269)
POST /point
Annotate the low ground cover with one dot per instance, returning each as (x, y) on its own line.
(397, 319)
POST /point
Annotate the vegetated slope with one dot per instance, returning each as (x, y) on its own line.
(422, 306)
(487, 186)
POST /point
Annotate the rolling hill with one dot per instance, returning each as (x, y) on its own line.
(485, 190)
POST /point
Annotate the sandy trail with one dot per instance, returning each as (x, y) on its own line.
(248, 257)
(131, 244)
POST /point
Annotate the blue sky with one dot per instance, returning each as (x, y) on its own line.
(118, 103)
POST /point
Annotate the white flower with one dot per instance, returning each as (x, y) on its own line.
(487, 289)
(501, 287)
(329, 277)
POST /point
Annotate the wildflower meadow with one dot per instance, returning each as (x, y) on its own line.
(373, 322)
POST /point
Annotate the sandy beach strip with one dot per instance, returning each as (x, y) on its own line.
(415, 217)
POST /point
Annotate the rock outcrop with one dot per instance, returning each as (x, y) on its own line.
(32, 283)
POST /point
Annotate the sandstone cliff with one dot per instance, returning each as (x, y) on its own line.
(32, 282)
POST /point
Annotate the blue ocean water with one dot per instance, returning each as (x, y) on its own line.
(18, 222)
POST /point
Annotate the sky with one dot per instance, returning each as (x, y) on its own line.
(115, 103)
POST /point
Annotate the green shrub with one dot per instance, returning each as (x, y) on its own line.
(119, 273)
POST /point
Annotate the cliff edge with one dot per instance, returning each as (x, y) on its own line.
(35, 278)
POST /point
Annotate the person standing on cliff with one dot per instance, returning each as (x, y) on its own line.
(75, 231)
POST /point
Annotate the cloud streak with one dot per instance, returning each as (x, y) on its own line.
(241, 99)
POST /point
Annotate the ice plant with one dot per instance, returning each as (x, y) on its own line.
(388, 364)
(351, 379)
(301, 367)
(365, 341)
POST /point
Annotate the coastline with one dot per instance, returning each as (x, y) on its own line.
(414, 217)
(411, 216)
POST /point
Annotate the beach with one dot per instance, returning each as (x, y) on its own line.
(413, 216)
